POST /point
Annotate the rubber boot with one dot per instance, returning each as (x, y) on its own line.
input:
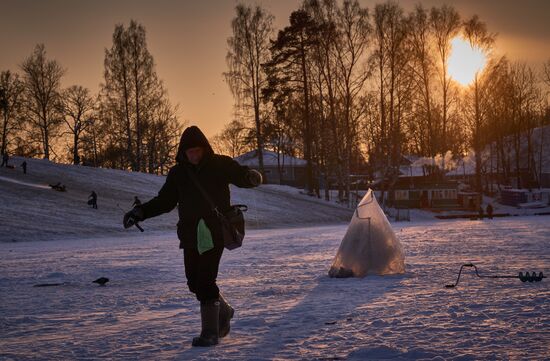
(226, 314)
(210, 313)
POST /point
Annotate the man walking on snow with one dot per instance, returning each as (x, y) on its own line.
(214, 172)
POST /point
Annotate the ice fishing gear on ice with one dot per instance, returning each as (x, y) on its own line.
(527, 277)
(370, 245)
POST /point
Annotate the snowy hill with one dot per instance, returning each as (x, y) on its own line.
(31, 210)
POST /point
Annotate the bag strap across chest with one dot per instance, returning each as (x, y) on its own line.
(203, 191)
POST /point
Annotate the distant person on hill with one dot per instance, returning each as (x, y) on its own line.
(92, 200)
(24, 166)
(137, 202)
(199, 227)
(5, 159)
(490, 211)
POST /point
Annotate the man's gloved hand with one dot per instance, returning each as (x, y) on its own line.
(255, 177)
(132, 217)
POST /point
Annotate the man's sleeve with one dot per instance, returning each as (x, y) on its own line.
(166, 199)
(238, 174)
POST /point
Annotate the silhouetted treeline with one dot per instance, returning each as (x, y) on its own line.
(130, 124)
(352, 89)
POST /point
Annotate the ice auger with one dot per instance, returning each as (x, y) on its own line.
(527, 277)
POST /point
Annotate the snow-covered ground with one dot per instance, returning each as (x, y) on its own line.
(286, 306)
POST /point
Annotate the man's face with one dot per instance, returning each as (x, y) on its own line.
(194, 155)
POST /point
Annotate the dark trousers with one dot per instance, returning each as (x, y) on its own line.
(201, 272)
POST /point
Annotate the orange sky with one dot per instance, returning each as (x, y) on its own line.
(188, 40)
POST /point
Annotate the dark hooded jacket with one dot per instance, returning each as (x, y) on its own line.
(215, 172)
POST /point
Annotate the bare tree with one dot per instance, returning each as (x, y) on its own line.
(42, 81)
(162, 136)
(233, 140)
(422, 66)
(391, 57)
(248, 50)
(445, 24)
(77, 107)
(546, 73)
(132, 92)
(117, 87)
(352, 23)
(325, 84)
(11, 99)
(479, 37)
(523, 101)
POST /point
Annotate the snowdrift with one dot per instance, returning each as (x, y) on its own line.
(369, 245)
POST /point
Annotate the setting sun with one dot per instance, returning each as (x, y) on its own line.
(465, 61)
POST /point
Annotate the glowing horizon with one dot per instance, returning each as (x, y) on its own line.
(465, 61)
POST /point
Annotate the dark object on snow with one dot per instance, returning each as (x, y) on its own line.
(489, 210)
(340, 273)
(24, 166)
(101, 281)
(48, 284)
(58, 187)
(5, 159)
(210, 311)
(524, 278)
(480, 212)
(92, 200)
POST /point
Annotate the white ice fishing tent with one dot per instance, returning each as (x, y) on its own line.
(370, 245)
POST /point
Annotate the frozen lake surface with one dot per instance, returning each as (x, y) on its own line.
(286, 306)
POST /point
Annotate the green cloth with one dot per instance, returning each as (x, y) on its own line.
(204, 237)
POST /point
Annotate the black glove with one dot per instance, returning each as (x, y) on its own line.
(255, 177)
(132, 217)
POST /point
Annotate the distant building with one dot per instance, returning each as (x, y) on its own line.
(420, 184)
(278, 168)
(424, 192)
(521, 197)
(529, 174)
